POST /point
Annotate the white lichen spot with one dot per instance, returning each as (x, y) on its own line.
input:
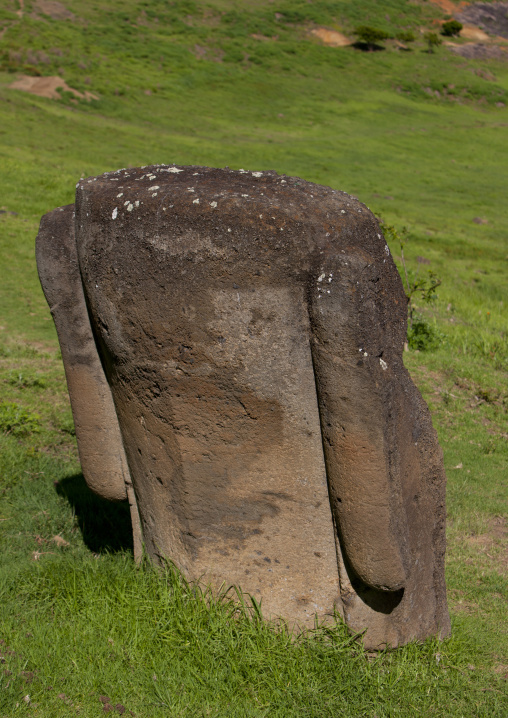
(173, 169)
(114, 214)
(365, 354)
(343, 211)
(119, 195)
(387, 250)
(328, 291)
(283, 182)
(213, 204)
(195, 173)
(126, 203)
(190, 189)
(330, 277)
(384, 365)
(152, 189)
(195, 201)
(245, 195)
(130, 207)
(257, 174)
(260, 216)
(242, 171)
(321, 277)
(154, 194)
(229, 230)
(379, 236)
(136, 203)
(152, 177)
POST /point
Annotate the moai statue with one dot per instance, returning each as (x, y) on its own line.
(233, 345)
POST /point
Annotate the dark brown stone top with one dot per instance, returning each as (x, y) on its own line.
(289, 227)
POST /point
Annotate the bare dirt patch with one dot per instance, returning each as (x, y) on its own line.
(332, 38)
(207, 53)
(502, 670)
(467, 607)
(459, 604)
(48, 87)
(470, 32)
(264, 38)
(53, 9)
(493, 543)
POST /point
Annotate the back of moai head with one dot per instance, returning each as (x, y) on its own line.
(233, 349)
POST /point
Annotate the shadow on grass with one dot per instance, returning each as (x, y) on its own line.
(367, 46)
(105, 525)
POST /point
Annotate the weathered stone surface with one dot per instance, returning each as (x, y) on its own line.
(250, 327)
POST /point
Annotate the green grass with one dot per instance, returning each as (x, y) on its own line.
(420, 138)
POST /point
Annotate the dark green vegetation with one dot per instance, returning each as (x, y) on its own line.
(419, 137)
(451, 28)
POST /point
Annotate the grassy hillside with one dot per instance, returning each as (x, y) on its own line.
(420, 138)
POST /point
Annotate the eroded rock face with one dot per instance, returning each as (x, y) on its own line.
(249, 329)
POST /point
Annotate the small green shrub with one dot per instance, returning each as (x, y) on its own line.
(420, 334)
(423, 336)
(26, 380)
(433, 40)
(406, 36)
(16, 420)
(371, 36)
(451, 28)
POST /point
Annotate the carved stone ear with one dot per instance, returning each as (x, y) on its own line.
(98, 435)
(250, 328)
